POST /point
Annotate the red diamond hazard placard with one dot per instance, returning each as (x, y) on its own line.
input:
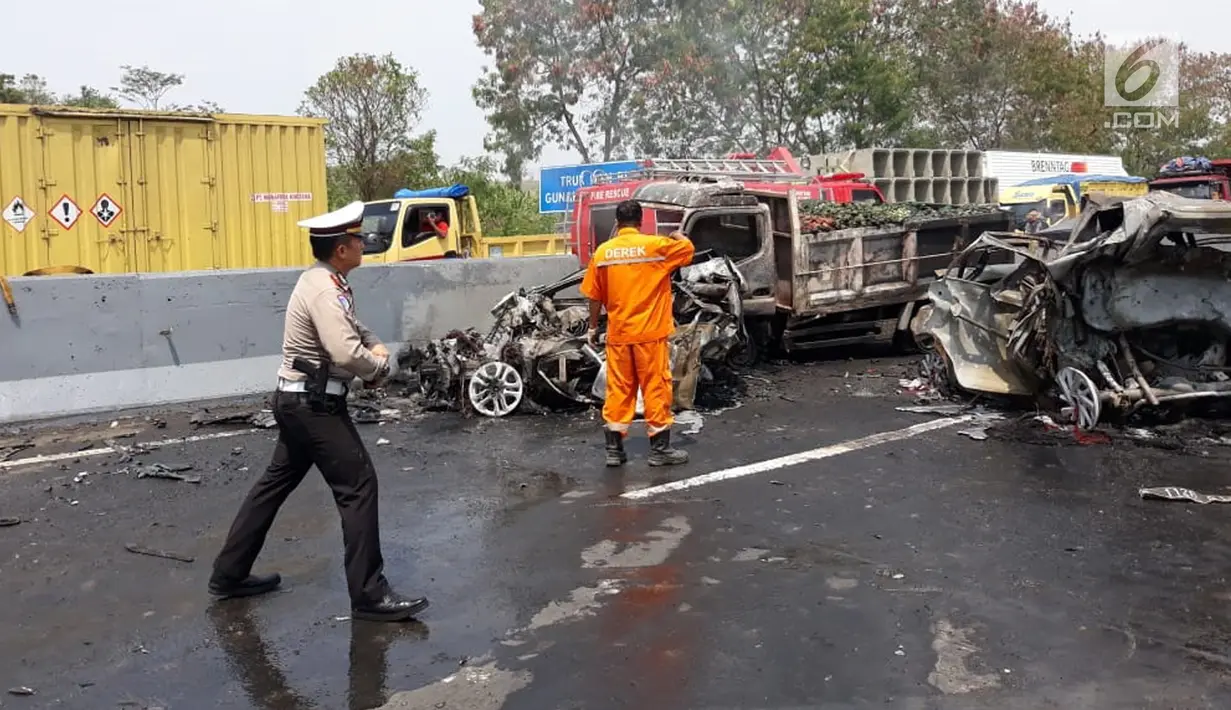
(65, 211)
(105, 210)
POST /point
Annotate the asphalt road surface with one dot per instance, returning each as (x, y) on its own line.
(870, 558)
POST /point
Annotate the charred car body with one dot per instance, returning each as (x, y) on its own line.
(1134, 309)
(537, 348)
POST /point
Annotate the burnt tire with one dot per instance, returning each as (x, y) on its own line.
(746, 355)
(937, 371)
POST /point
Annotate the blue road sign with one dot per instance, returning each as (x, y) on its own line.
(558, 185)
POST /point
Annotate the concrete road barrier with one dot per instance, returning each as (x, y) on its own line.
(85, 344)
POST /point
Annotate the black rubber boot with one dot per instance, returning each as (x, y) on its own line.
(661, 453)
(615, 449)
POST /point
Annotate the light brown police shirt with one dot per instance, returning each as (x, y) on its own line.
(321, 326)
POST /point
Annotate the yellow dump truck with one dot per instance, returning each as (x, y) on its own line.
(441, 223)
(122, 191)
(1059, 196)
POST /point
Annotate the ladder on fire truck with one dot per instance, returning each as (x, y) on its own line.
(736, 166)
(709, 169)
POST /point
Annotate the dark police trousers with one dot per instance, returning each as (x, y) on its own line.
(328, 439)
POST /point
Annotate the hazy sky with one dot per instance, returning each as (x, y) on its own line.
(257, 56)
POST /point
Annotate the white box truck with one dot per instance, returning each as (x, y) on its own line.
(1014, 168)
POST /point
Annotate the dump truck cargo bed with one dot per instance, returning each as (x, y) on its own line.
(865, 267)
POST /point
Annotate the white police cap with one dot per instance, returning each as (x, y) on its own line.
(342, 221)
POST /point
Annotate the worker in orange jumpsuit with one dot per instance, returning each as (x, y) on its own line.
(630, 276)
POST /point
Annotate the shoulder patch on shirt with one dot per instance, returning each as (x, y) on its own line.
(347, 304)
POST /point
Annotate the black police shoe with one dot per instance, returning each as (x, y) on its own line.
(392, 607)
(255, 584)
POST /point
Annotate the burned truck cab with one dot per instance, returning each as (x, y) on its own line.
(721, 218)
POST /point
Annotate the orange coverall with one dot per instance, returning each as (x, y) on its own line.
(631, 276)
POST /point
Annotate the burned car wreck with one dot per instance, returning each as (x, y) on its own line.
(536, 350)
(1133, 310)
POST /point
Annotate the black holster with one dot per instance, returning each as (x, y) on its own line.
(318, 380)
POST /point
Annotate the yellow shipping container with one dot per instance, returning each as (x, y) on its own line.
(140, 191)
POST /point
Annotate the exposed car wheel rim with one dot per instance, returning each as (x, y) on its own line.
(934, 370)
(1081, 401)
(496, 389)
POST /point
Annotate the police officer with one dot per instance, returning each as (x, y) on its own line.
(324, 347)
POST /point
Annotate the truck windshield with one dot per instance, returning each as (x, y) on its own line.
(1194, 190)
(1021, 210)
(380, 222)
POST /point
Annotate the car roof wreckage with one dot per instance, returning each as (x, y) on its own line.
(1132, 309)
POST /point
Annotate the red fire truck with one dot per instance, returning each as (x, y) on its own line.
(593, 218)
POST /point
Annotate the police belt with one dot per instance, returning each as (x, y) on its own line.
(336, 388)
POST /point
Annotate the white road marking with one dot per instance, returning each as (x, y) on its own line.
(483, 686)
(68, 456)
(823, 452)
(582, 602)
(653, 551)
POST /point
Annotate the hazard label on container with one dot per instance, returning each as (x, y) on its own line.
(105, 210)
(18, 214)
(282, 197)
(65, 211)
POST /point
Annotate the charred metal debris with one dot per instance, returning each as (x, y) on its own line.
(1130, 312)
(536, 351)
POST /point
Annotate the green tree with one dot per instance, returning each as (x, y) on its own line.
(29, 89)
(146, 87)
(33, 89)
(504, 208)
(416, 167)
(10, 93)
(706, 93)
(373, 105)
(852, 70)
(564, 72)
(689, 77)
(991, 73)
(88, 97)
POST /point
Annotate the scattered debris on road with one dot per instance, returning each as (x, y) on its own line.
(370, 414)
(151, 552)
(21, 691)
(536, 351)
(7, 452)
(1131, 311)
(982, 417)
(172, 472)
(1182, 494)
(263, 419)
